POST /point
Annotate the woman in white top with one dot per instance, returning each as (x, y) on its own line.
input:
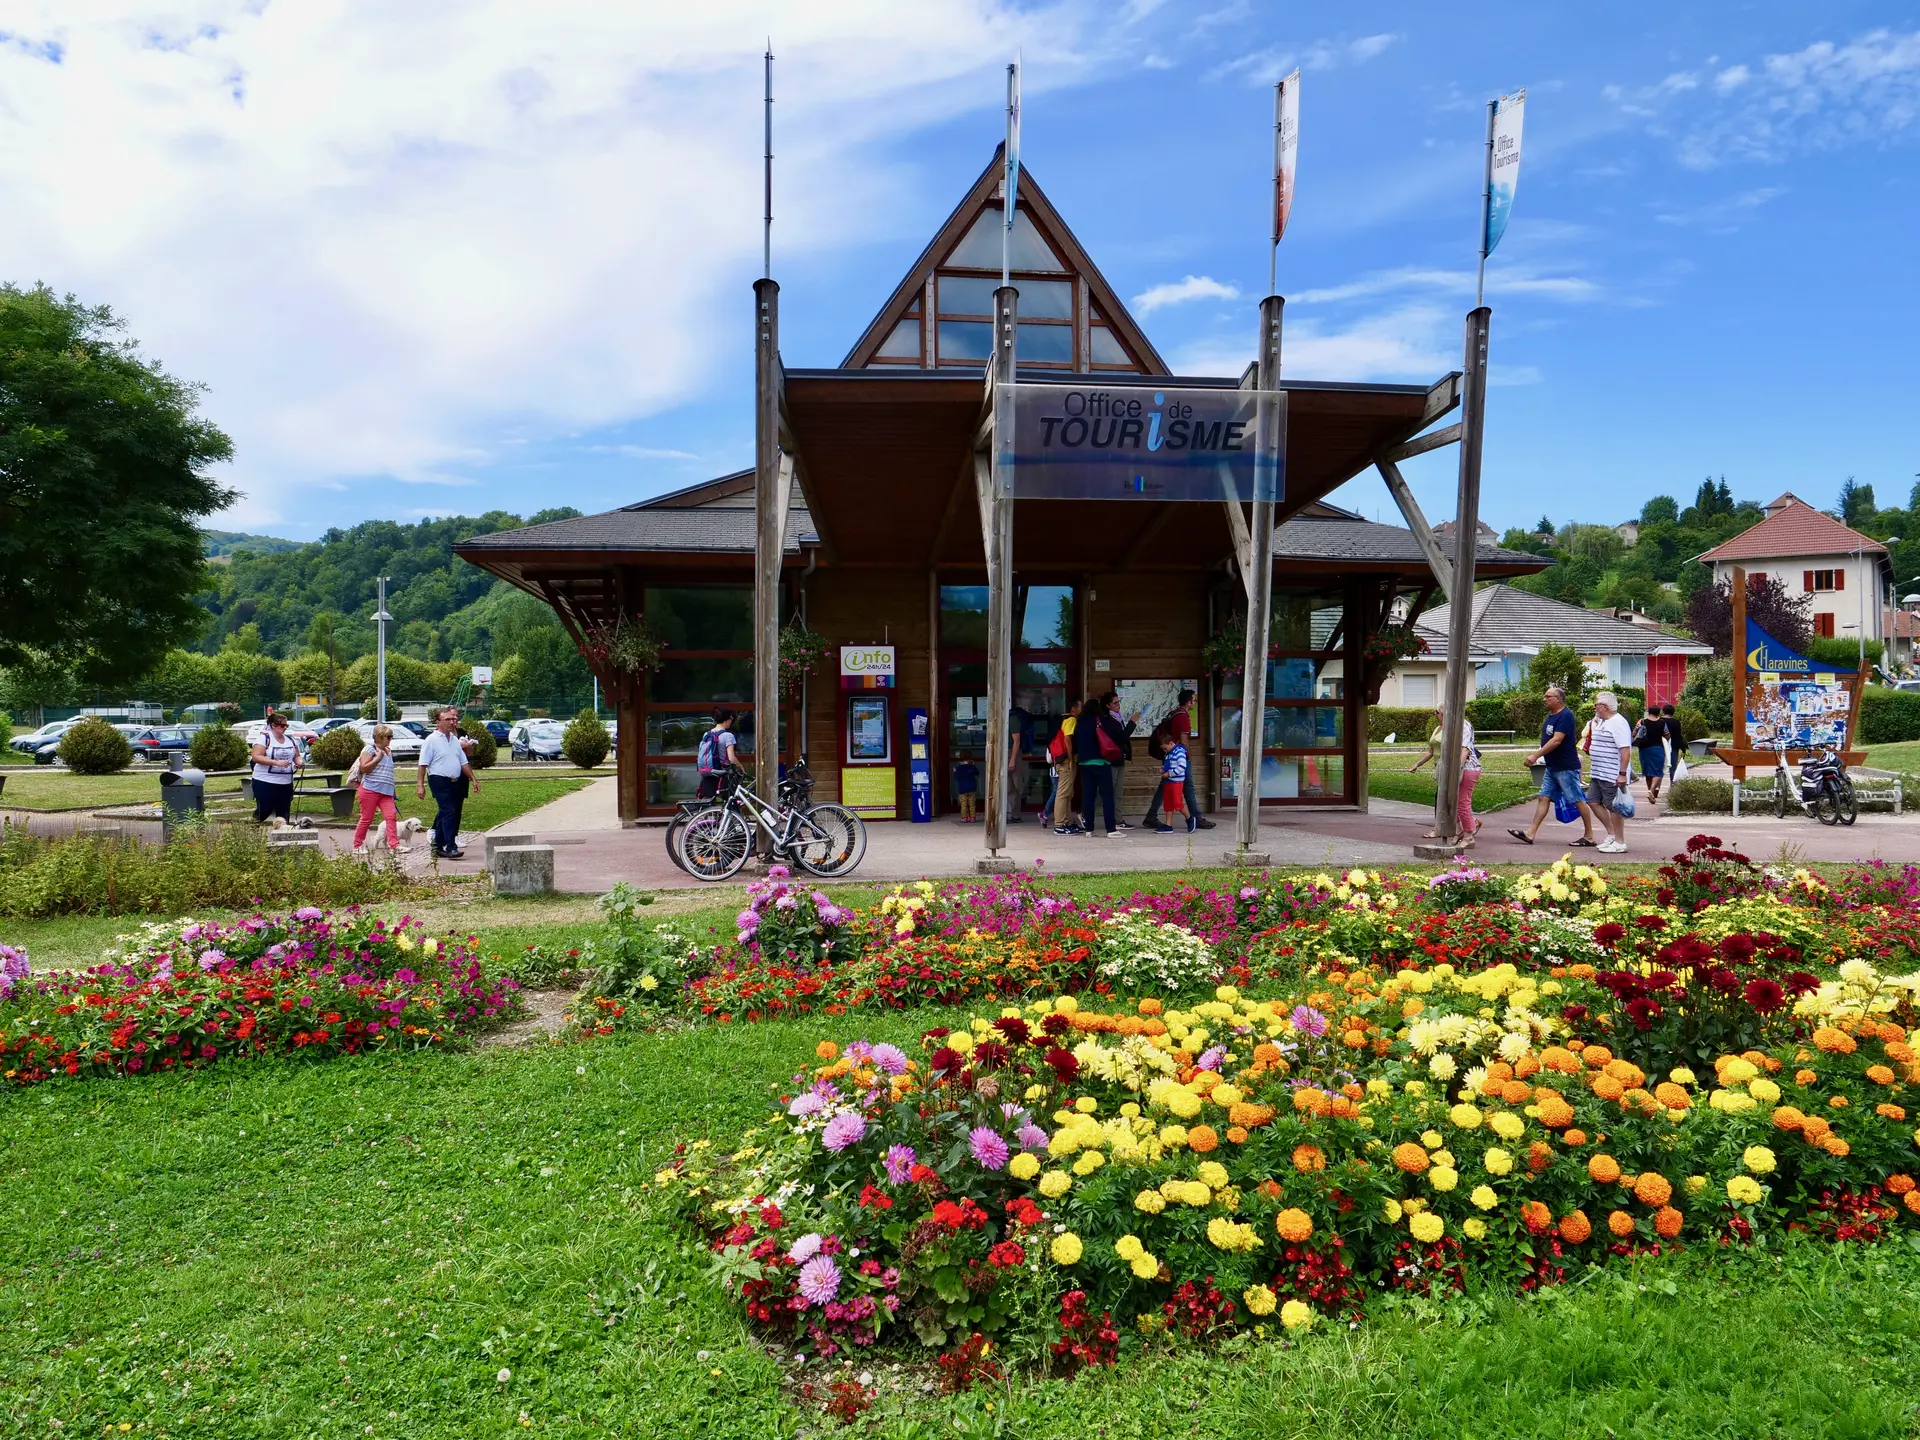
(276, 758)
(1469, 777)
(375, 769)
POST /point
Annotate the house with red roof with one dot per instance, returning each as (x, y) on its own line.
(1844, 575)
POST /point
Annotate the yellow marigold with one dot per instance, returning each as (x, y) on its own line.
(1390, 1210)
(1575, 1227)
(1744, 1190)
(1024, 1166)
(1151, 1202)
(1667, 1222)
(1498, 1161)
(1603, 1168)
(1443, 1178)
(1620, 1223)
(1202, 1138)
(1880, 1075)
(1735, 1071)
(1128, 1246)
(1294, 1226)
(1410, 1157)
(1066, 1249)
(1652, 1188)
(1432, 1139)
(1759, 1159)
(1144, 1266)
(1467, 1117)
(1229, 1235)
(1295, 1314)
(1055, 1183)
(1695, 1184)
(1483, 1197)
(1507, 1125)
(1259, 1299)
(1426, 1227)
(1474, 1229)
(1763, 1090)
(1212, 1174)
(1091, 1161)
(1834, 1042)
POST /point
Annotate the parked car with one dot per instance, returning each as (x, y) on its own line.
(536, 739)
(155, 742)
(251, 731)
(30, 744)
(1910, 686)
(500, 731)
(405, 744)
(334, 723)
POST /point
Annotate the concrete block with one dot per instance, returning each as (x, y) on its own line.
(497, 842)
(1436, 852)
(101, 831)
(1249, 859)
(294, 839)
(995, 865)
(522, 870)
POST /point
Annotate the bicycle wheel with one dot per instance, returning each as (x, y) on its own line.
(1826, 803)
(1845, 806)
(1779, 798)
(675, 828)
(829, 840)
(715, 844)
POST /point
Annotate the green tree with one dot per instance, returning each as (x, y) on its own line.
(1856, 503)
(1559, 665)
(554, 666)
(510, 682)
(1661, 509)
(103, 474)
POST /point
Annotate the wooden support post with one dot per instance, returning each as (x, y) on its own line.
(996, 516)
(1740, 677)
(1417, 522)
(1466, 544)
(769, 541)
(1258, 576)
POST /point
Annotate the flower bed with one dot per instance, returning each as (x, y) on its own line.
(1068, 1182)
(186, 995)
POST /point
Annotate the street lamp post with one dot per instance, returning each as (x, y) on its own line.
(380, 619)
(1859, 554)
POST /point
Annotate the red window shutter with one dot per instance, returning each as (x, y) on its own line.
(1808, 582)
(1756, 577)
(1839, 576)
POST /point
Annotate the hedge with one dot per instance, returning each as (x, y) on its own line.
(1406, 722)
(1889, 716)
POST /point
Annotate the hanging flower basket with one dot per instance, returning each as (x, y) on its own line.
(802, 651)
(627, 644)
(1226, 653)
(1384, 650)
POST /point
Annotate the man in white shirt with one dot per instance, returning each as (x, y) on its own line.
(1611, 739)
(444, 766)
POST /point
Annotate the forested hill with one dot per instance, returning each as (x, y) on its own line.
(308, 597)
(217, 544)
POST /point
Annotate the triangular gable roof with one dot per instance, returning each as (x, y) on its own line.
(1508, 619)
(1032, 202)
(1794, 530)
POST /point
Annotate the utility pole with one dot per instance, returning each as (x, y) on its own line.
(380, 619)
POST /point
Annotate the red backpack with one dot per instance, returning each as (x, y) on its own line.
(1057, 747)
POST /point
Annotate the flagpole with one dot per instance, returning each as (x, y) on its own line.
(1273, 249)
(766, 230)
(1486, 209)
(1010, 173)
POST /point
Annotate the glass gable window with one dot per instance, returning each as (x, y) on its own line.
(1046, 345)
(967, 294)
(1107, 349)
(903, 343)
(965, 340)
(980, 249)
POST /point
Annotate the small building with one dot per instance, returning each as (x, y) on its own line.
(1845, 576)
(1629, 532)
(1511, 625)
(883, 557)
(1901, 630)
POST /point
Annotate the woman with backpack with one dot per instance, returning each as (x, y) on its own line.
(1098, 747)
(716, 759)
(1060, 758)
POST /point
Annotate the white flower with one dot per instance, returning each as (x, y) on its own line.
(504, 1376)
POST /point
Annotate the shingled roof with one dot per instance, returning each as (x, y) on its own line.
(1308, 538)
(1506, 620)
(1791, 530)
(715, 517)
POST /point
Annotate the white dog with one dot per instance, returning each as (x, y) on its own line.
(377, 837)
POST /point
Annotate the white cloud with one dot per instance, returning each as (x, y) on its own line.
(1178, 292)
(1449, 282)
(1264, 67)
(395, 239)
(1722, 215)
(639, 452)
(1414, 342)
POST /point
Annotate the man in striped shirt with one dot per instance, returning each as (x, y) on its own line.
(1610, 741)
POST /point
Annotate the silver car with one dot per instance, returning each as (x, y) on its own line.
(536, 739)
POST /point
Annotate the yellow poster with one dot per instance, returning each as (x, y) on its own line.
(868, 791)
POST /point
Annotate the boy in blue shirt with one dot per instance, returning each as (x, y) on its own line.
(1173, 784)
(966, 784)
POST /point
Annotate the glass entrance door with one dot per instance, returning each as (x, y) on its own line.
(1042, 668)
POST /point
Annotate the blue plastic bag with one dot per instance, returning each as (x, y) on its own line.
(1565, 810)
(1623, 802)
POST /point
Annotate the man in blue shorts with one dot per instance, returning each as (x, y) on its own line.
(1561, 778)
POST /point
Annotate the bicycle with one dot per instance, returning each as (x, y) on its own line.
(795, 788)
(1823, 789)
(824, 840)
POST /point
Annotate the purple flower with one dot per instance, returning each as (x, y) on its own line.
(1308, 1021)
(192, 932)
(778, 872)
(805, 1105)
(819, 898)
(1210, 1059)
(858, 1050)
(747, 919)
(306, 912)
(804, 1249)
(890, 1058)
(211, 959)
(899, 1162)
(1031, 1137)
(819, 1279)
(987, 1147)
(786, 902)
(843, 1130)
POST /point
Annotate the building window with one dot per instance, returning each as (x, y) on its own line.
(1823, 624)
(1818, 580)
(1417, 690)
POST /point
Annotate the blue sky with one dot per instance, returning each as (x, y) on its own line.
(472, 266)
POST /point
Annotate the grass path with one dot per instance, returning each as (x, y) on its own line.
(363, 1248)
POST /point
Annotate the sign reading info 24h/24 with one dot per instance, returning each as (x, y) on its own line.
(1062, 442)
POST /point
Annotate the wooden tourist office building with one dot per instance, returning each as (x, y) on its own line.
(881, 552)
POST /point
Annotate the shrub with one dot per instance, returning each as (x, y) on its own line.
(586, 742)
(1693, 724)
(1489, 712)
(1560, 665)
(1525, 715)
(93, 747)
(1888, 716)
(215, 747)
(1841, 654)
(1406, 722)
(368, 710)
(485, 748)
(228, 713)
(1136, 952)
(1709, 689)
(6, 725)
(1700, 797)
(338, 748)
(501, 712)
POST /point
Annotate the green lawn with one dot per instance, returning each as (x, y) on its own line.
(49, 787)
(1902, 756)
(1494, 792)
(365, 1247)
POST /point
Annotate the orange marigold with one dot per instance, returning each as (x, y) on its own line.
(1606, 1087)
(1836, 1147)
(1555, 1113)
(1202, 1138)
(1526, 1065)
(1891, 1032)
(1309, 1157)
(1620, 1223)
(1652, 1188)
(1249, 1115)
(1354, 1039)
(1575, 1137)
(1499, 1070)
(1603, 1168)
(1815, 1128)
(1352, 1091)
(1150, 1007)
(1295, 1226)
(1309, 1101)
(826, 1050)
(1673, 1096)
(1666, 1222)
(1270, 1189)
(1537, 1218)
(1237, 1134)
(1900, 1052)
(1788, 1117)
(1539, 1156)
(1341, 1108)
(1912, 1201)
(1266, 1053)
(1410, 1157)
(1880, 1075)
(1515, 1092)
(1557, 1057)
(1839, 1102)
(1890, 1112)
(1627, 1073)
(1575, 1226)
(1582, 971)
(1805, 1077)
(1834, 1042)
(1596, 1057)
(1900, 1184)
